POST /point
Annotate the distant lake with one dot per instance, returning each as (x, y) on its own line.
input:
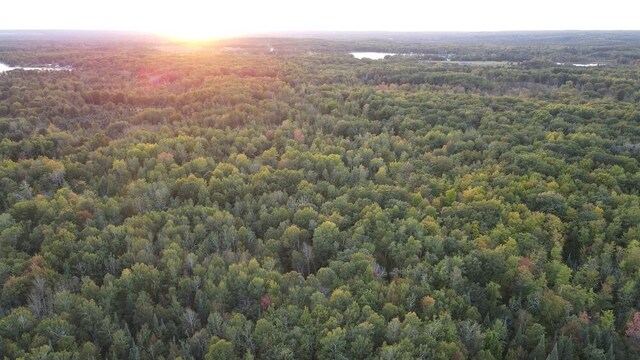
(582, 65)
(5, 68)
(371, 55)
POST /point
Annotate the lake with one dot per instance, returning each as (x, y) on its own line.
(581, 65)
(371, 55)
(5, 68)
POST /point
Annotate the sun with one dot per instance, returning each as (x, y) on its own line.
(192, 36)
(203, 22)
(190, 31)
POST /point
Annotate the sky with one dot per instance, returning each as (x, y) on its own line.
(215, 18)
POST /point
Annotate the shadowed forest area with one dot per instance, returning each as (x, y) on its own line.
(277, 198)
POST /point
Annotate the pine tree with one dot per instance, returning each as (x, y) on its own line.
(554, 353)
(540, 350)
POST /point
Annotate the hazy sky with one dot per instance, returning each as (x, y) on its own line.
(215, 18)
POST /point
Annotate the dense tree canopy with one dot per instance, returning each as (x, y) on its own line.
(231, 202)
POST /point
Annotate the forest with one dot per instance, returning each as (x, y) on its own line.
(277, 198)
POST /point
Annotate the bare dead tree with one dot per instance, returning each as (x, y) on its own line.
(307, 252)
(191, 321)
(40, 299)
(190, 262)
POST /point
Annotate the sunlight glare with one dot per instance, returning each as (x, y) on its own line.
(199, 21)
